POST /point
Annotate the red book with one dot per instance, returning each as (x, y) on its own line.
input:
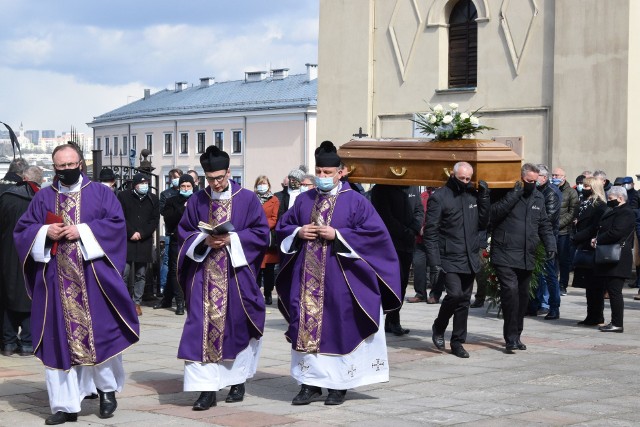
(54, 219)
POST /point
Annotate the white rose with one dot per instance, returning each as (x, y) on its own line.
(447, 119)
(453, 106)
(474, 120)
(432, 119)
(438, 108)
(464, 116)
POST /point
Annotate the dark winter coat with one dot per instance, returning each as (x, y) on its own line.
(142, 216)
(552, 202)
(283, 198)
(451, 232)
(167, 194)
(13, 203)
(588, 219)
(568, 208)
(519, 223)
(400, 208)
(617, 226)
(10, 179)
(172, 213)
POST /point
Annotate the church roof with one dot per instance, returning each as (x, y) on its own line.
(293, 91)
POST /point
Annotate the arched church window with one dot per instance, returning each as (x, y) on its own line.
(463, 45)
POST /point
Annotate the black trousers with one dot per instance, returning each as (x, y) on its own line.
(594, 287)
(267, 277)
(455, 304)
(614, 285)
(172, 288)
(514, 298)
(405, 259)
(16, 331)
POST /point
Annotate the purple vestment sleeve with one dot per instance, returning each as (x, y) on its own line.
(354, 288)
(112, 317)
(245, 313)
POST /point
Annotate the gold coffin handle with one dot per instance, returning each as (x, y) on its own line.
(351, 169)
(447, 172)
(398, 171)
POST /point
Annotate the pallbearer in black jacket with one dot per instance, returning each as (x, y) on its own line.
(519, 221)
(456, 213)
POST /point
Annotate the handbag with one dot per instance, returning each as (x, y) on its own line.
(584, 258)
(610, 254)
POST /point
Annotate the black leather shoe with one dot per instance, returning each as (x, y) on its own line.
(206, 400)
(268, 299)
(91, 396)
(236, 393)
(459, 351)
(611, 328)
(438, 339)
(60, 418)
(306, 395)
(589, 322)
(335, 397)
(511, 348)
(397, 329)
(478, 303)
(162, 304)
(553, 315)
(520, 345)
(108, 403)
(180, 308)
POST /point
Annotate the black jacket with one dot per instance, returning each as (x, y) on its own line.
(519, 223)
(617, 226)
(283, 198)
(167, 194)
(400, 208)
(10, 179)
(552, 204)
(172, 213)
(142, 216)
(451, 232)
(586, 227)
(13, 203)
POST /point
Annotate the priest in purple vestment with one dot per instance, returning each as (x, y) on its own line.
(338, 274)
(72, 245)
(222, 334)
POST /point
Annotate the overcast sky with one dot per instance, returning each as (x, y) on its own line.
(64, 62)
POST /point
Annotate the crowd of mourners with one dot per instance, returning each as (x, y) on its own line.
(336, 260)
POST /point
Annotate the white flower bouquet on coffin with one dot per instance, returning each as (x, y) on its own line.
(443, 125)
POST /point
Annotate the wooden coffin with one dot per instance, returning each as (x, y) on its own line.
(427, 162)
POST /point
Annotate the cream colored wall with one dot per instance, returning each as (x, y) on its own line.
(564, 76)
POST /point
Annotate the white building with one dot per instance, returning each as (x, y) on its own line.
(266, 122)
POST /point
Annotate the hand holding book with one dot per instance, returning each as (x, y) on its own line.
(222, 228)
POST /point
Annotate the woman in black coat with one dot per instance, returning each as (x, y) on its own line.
(586, 227)
(616, 226)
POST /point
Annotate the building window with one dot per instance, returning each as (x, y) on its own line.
(218, 139)
(237, 142)
(150, 143)
(133, 142)
(237, 178)
(463, 45)
(125, 146)
(168, 143)
(98, 142)
(201, 142)
(115, 146)
(184, 143)
(107, 146)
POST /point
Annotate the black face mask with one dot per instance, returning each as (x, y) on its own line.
(528, 187)
(68, 177)
(613, 203)
(586, 193)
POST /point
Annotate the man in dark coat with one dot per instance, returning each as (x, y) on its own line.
(519, 221)
(16, 332)
(141, 213)
(455, 215)
(400, 208)
(568, 211)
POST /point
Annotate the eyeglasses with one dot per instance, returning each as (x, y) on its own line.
(218, 178)
(70, 165)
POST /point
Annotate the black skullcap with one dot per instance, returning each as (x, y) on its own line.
(580, 179)
(186, 178)
(327, 155)
(214, 159)
(107, 175)
(139, 178)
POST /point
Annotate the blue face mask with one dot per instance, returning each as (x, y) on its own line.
(142, 189)
(186, 193)
(325, 184)
(556, 181)
(579, 187)
(175, 182)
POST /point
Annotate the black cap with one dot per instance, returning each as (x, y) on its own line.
(214, 159)
(327, 155)
(107, 175)
(139, 178)
(580, 179)
(622, 180)
(186, 178)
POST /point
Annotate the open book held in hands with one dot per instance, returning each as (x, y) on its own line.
(222, 228)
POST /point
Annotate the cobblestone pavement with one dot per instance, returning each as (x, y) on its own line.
(569, 375)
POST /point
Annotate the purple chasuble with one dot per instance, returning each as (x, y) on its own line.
(331, 302)
(225, 308)
(82, 313)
